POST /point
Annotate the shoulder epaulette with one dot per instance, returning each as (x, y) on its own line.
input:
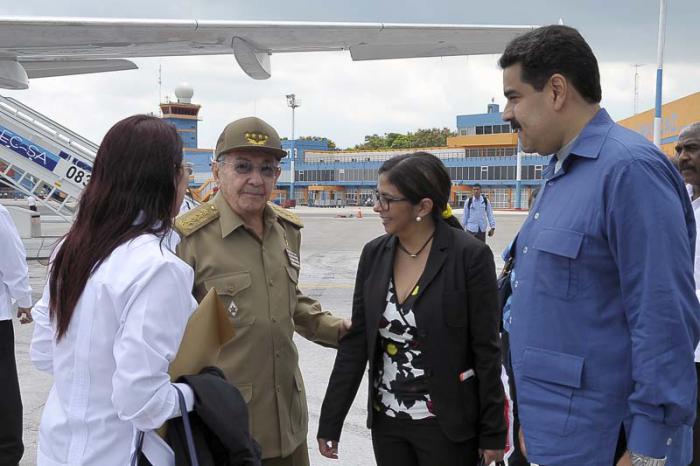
(194, 219)
(286, 215)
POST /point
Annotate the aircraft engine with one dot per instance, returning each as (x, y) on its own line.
(254, 63)
(12, 75)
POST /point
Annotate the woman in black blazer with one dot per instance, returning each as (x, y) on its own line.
(425, 316)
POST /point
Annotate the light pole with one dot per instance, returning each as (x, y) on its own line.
(659, 71)
(293, 103)
(636, 86)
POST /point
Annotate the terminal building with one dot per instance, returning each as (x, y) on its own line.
(676, 114)
(39, 156)
(484, 151)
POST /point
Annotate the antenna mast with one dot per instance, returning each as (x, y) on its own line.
(160, 86)
(636, 86)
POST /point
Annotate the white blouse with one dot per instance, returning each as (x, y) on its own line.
(14, 280)
(696, 211)
(110, 367)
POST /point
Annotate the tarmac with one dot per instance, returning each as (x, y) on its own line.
(331, 247)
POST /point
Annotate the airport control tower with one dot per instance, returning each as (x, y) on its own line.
(184, 115)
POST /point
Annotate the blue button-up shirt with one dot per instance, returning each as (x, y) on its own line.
(604, 313)
(474, 217)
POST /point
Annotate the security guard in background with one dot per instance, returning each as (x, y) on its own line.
(248, 250)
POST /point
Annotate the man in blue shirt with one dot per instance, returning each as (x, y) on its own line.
(476, 211)
(604, 317)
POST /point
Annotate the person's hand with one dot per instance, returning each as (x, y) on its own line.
(345, 326)
(25, 315)
(491, 456)
(626, 460)
(492, 231)
(521, 439)
(328, 448)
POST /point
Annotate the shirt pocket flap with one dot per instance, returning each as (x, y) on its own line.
(230, 284)
(293, 274)
(558, 241)
(551, 366)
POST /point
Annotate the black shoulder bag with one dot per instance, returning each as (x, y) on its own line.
(138, 459)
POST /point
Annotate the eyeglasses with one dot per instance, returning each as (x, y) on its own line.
(244, 167)
(385, 201)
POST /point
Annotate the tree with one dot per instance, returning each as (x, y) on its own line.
(433, 137)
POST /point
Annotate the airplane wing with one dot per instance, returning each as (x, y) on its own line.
(40, 47)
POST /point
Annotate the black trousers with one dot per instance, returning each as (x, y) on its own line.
(11, 447)
(405, 442)
(479, 235)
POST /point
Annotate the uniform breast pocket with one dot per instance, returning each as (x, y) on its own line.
(234, 292)
(557, 271)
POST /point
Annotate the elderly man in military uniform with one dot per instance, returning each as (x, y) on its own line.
(248, 250)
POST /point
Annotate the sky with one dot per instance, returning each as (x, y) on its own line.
(345, 100)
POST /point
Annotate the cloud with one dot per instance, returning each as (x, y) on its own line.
(347, 100)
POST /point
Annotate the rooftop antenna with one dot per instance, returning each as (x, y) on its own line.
(636, 86)
(160, 86)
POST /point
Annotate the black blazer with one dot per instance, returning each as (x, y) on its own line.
(219, 424)
(458, 320)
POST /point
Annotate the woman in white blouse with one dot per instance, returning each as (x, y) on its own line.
(116, 303)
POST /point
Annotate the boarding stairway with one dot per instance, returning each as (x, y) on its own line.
(42, 158)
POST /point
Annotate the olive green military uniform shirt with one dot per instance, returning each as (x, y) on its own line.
(257, 283)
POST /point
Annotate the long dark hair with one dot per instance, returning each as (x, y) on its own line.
(418, 176)
(132, 191)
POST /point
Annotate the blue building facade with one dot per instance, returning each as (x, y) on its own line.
(484, 152)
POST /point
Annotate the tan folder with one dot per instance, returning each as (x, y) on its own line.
(208, 329)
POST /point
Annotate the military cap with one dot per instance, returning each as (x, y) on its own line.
(250, 133)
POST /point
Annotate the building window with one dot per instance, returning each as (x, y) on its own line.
(538, 172)
(479, 130)
(491, 173)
